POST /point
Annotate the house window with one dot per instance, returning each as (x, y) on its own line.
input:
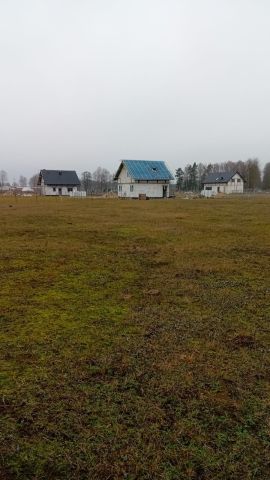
(120, 188)
(208, 188)
(131, 187)
(54, 189)
(233, 180)
(238, 180)
(70, 189)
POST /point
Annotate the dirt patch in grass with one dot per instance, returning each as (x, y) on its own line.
(247, 341)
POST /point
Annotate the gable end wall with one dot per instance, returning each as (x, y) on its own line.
(225, 188)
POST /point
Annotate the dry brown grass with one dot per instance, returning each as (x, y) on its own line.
(135, 339)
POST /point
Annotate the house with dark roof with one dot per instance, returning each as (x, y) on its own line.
(223, 183)
(143, 178)
(58, 182)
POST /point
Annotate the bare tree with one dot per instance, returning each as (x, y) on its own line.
(103, 179)
(266, 177)
(86, 182)
(253, 174)
(201, 175)
(22, 181)
(33, 180)
(3, 178)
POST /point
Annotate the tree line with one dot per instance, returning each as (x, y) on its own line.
(22, 182)
(96, 183)
(191, 178)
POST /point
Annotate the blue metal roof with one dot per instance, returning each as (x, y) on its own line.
(146, 170)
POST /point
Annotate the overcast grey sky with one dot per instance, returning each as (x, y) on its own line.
(85, 83)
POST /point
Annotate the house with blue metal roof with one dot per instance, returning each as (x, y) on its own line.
(222, 183)
(143, 178)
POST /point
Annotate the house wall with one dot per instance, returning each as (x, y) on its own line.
(235, 185)
(151, 190)
(124, 176)
(128, 188)
(54, 190)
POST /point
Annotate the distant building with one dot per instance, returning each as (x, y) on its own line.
(223, 183)
(143, 178)
(5, 188)
(27, 191)
(58, 182)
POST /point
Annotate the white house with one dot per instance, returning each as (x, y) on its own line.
(223, 182)
(143, 178)
(58, 182)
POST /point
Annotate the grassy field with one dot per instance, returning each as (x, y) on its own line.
(135, 339)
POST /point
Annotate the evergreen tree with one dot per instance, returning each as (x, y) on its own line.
(180, 178)
(194, 177)
(187, 175)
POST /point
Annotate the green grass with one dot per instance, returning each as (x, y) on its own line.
(135, 339)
